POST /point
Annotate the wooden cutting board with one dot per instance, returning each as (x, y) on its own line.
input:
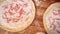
(37, 25)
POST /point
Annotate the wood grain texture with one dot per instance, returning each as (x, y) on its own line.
(37, 25)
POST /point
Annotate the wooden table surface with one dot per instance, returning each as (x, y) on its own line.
(37, 25)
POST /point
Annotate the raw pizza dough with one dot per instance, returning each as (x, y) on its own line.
(51, 19)
(16, 15)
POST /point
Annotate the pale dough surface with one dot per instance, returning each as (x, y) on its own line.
(21, 25)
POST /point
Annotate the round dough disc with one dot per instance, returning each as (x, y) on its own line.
(16, 15)
(51, 19)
